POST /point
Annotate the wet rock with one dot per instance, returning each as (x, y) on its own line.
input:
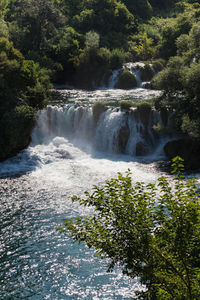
(188, 149)
(123, 138)
(141, 149)
(164, 116)
(146, 85)
(97, 109)
(144, 112)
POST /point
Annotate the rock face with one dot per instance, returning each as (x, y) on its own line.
(144, 112)
(123, 137)
(188, 149)
(98, 109)
(141, 149)
(16, 127)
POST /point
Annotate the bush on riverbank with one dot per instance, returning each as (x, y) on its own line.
(147, 230)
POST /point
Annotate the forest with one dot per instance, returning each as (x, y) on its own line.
(43, 42)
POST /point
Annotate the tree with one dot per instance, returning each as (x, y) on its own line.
(144, 49)
(92, 40)
(37, 21)
(152, 231)
(140, 8)
(109, 18)
(24, 88)
(3, 6)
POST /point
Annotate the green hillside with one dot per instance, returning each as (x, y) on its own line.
(60, 41)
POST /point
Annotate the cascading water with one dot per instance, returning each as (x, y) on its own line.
(136, 69)
(113, 78)
(116, 131)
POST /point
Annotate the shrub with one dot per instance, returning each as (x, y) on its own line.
(182, 44)
(126, 104)
(16, 126)
(152, 231)
(91, 66)
(168, 79)
(143, 106)
(92, 39)
(126, 80)
(190, 80)
(158, 64)
(98, 108)
(191, 127)
(144, 49)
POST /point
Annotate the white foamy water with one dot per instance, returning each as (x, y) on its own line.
(36, 261)
(108, 94)
(67, 156)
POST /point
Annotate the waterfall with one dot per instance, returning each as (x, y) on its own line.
(137, 69)
(116, 131)
(113, 78)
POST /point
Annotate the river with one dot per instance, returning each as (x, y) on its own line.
(36, 261)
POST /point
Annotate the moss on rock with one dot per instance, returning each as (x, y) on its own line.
(126, 80)
(97, 109)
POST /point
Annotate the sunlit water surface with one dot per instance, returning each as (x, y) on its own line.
(108, 95)
(37, 262)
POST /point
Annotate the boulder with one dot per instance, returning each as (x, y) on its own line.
(187, 149)
(141, 149)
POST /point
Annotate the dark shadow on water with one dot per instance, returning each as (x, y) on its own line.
(19, 165)
(27, 161)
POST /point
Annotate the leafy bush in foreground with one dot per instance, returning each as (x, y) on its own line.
(151, 230)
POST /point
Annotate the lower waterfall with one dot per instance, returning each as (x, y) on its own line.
(123, 132)
(69, 153)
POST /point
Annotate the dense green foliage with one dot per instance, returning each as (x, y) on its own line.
(152, 231)
(56, 32)
(23, 90)
(81, 42)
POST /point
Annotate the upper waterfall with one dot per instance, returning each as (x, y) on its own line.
(143, 73)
